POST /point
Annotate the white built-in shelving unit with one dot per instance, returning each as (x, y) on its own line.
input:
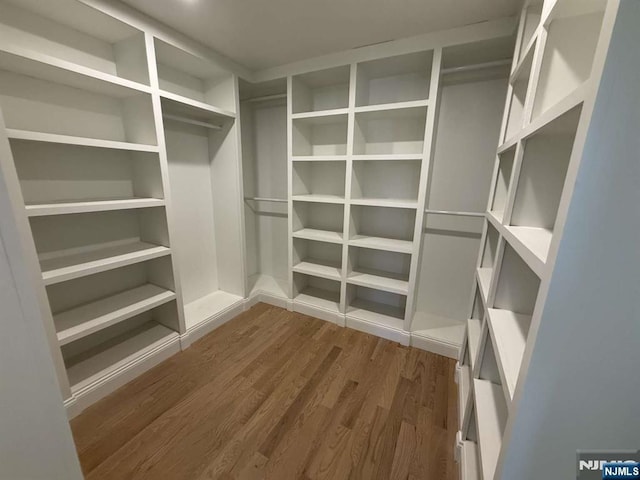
(552, 85)
(126, 167)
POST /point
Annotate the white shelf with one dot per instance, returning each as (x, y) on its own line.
(319, 298)
(379, 281)
(397, 106)
(378, 243)
(474, 328)
(536, 240)
(464, 386)
(469, 469)
(385, 202)
(319, 235)
(509, 333)
(376, 313)
(390, 156)
(484, 280)
(441, 329)
(207, 307)
(179, 105)
(491, 416)
(92, 317)
(68, 266)
(52, 69)
(319, 268)
(80, 141)
(320, 113)
(318, 198)
(319, 158)
(65, 208)
(106, 362)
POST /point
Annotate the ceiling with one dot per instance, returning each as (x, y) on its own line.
(266, 33)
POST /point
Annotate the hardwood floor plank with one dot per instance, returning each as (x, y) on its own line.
(278, 395)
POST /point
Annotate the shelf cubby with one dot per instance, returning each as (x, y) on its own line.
(532, 16)
(76, 34)
(382, 228)
(321, 90)
(402, 78)
(491, 418)
(568, 55)
(75, 245)
(502, 184)
(390, 183)
(316, 292)
(490, 247)
(320, 136)
(57, 174)
(541, 181)
(318, 221)
(318, 259)
(397, 131)
(89, 304)
(324, 180)
(376, 306)
(515, 115)
(517, 285)
(386, 271)
(199, 79)
(98, 110)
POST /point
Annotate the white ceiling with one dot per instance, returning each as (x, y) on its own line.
(266, 33)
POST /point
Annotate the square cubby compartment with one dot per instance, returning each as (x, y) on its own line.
(394, 79)
(376, 306)
(541, 181)
(386, 182)
(320, 181)
(532, 16)
(387, 271)
(77, 245)
(194, 77)
(502, 184)
(52, 173)
(86, 305)
(396, 131)
(320, 136)
(474, 326)
(569, 51)
(319, 259)
(76, 33)
(488, 256)
(389, 229)
(318, 221)
(321, 90)
(515, 116)
(316, 292)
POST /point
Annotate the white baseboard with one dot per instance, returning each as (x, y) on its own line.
(220, 318)
(435, 345)
(316, 312)
(378, 330)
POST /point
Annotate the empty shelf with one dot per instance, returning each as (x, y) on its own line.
(388, 156)
(318, 198)
(378, 243)
(74, 265)
(491, 417)
(474, 327)
(320, 113)
(184, 106)
(377, 313)
(318, 268)
(106, 359)
(441, 329)
(81, 141)
(509, 332)
(87, 319)
(319, 298)
(469, 461)
(319, 158)
(411, 107)
(484, 279)
(64, 208)
(379, 281)
(318, 235)
(385, 202)
(537, 240)
(207, 307)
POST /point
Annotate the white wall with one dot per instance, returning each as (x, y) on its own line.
(35, 439)
(582, 390)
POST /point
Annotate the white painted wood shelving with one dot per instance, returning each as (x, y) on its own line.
(557, 65)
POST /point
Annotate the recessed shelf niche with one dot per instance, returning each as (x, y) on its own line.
(318, 221)
(381, 228)
(376, 306)
(316, 292)
(321, 90)
(502, 185)
(320, 259)
(387, 271)
(391, 180)
(323, 179)
(320, 135)
(397, 131)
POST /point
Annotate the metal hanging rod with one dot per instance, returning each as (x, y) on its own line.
(191, 121)
(267, 199)
(266, 98)
(455, 213)
(477, 66)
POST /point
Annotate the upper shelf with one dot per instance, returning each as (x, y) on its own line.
(324, 90)
(179, 106)
(65, 208)
(16, 134)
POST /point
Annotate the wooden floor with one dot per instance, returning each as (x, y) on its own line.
(278, 395)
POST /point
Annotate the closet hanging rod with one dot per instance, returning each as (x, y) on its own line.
(455, 213)
(265, 98)
(267, 199)
(190, 121)
(477, 66)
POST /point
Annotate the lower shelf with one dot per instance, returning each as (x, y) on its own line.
(107, 358)
(89, 318)
(320, 298)
(205, 308)
(469, 469)
(438, 334)
(378, 280)
(377, 313)
(379, 243)
(319, 268)
(491, 418)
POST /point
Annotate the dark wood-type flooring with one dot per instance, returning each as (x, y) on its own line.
(278, 395)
